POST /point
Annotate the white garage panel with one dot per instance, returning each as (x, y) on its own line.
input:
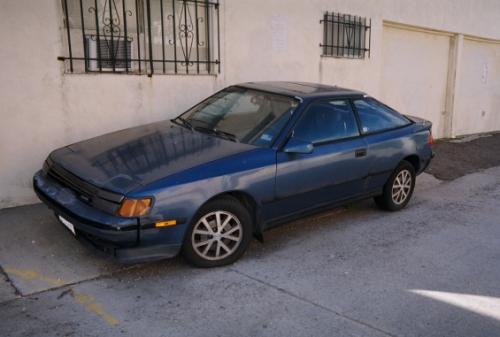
(478, 95)
(414, 73)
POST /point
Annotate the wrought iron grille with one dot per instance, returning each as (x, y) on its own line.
(345, 35)
(142, 36)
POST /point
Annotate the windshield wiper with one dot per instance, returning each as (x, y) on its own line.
(228, 135)
(220, 133)
(182, 122)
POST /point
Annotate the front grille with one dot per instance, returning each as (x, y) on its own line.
(101, 199)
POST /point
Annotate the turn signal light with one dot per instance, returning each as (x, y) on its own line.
(135, 207)
(165, 223)
(431, 140)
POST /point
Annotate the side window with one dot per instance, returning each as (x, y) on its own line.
(327, 121)
(375, 116)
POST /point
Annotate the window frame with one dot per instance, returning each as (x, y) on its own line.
(360, 127)
(336, 41)
(197, 52)
(274, 143)
(322, 100)
(351, 98)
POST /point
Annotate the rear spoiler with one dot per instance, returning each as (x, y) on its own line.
(422, 123)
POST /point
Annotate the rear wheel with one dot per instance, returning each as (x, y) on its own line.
(219, 234)
(398, 189)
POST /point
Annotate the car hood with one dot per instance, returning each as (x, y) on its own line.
(126, 160)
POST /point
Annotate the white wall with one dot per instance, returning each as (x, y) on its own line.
(42, 108)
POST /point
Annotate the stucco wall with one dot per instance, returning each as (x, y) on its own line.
(42, 108)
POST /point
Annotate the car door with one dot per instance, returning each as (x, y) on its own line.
(335, 168)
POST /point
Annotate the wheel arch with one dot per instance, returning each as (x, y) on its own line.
(414, 160)
(249, 202)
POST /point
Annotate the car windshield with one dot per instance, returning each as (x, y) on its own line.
(242, 115)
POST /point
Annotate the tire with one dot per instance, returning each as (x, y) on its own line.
(394, 198)
(219, 233)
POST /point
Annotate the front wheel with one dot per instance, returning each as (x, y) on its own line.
(219, 234)
(398, 189)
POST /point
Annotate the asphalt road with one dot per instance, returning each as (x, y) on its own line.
(432, 269)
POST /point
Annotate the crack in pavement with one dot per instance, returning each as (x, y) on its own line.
(9, 281)
(63, 284)
(303, 299)
(89, 302)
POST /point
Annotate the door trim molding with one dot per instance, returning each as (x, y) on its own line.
(428, 30)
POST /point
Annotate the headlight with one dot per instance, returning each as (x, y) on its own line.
(135, 207)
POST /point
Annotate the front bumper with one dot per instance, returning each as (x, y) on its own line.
(116, 236)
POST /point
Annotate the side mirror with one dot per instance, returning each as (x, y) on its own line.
(295, 145)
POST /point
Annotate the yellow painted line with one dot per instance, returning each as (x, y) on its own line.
(28, 274)
(88, 301)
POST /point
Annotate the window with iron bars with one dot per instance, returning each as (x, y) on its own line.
(345, 35)
(142, 36)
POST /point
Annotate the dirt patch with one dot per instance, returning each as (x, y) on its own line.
(458, 157)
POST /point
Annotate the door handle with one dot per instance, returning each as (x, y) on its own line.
(360, 153)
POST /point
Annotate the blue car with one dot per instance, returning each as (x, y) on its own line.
(244, 160)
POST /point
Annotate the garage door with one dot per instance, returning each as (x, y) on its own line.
(478, 101)
(414, 73)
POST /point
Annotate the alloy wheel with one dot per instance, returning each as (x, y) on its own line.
(401, 187)
(217, 235)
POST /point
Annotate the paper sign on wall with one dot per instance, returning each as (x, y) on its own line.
(279, 29)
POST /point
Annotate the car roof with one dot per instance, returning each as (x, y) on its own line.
(301, 89)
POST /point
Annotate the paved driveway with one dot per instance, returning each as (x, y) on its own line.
(430, 270)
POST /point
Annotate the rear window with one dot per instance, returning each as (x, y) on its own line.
(375, 116)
